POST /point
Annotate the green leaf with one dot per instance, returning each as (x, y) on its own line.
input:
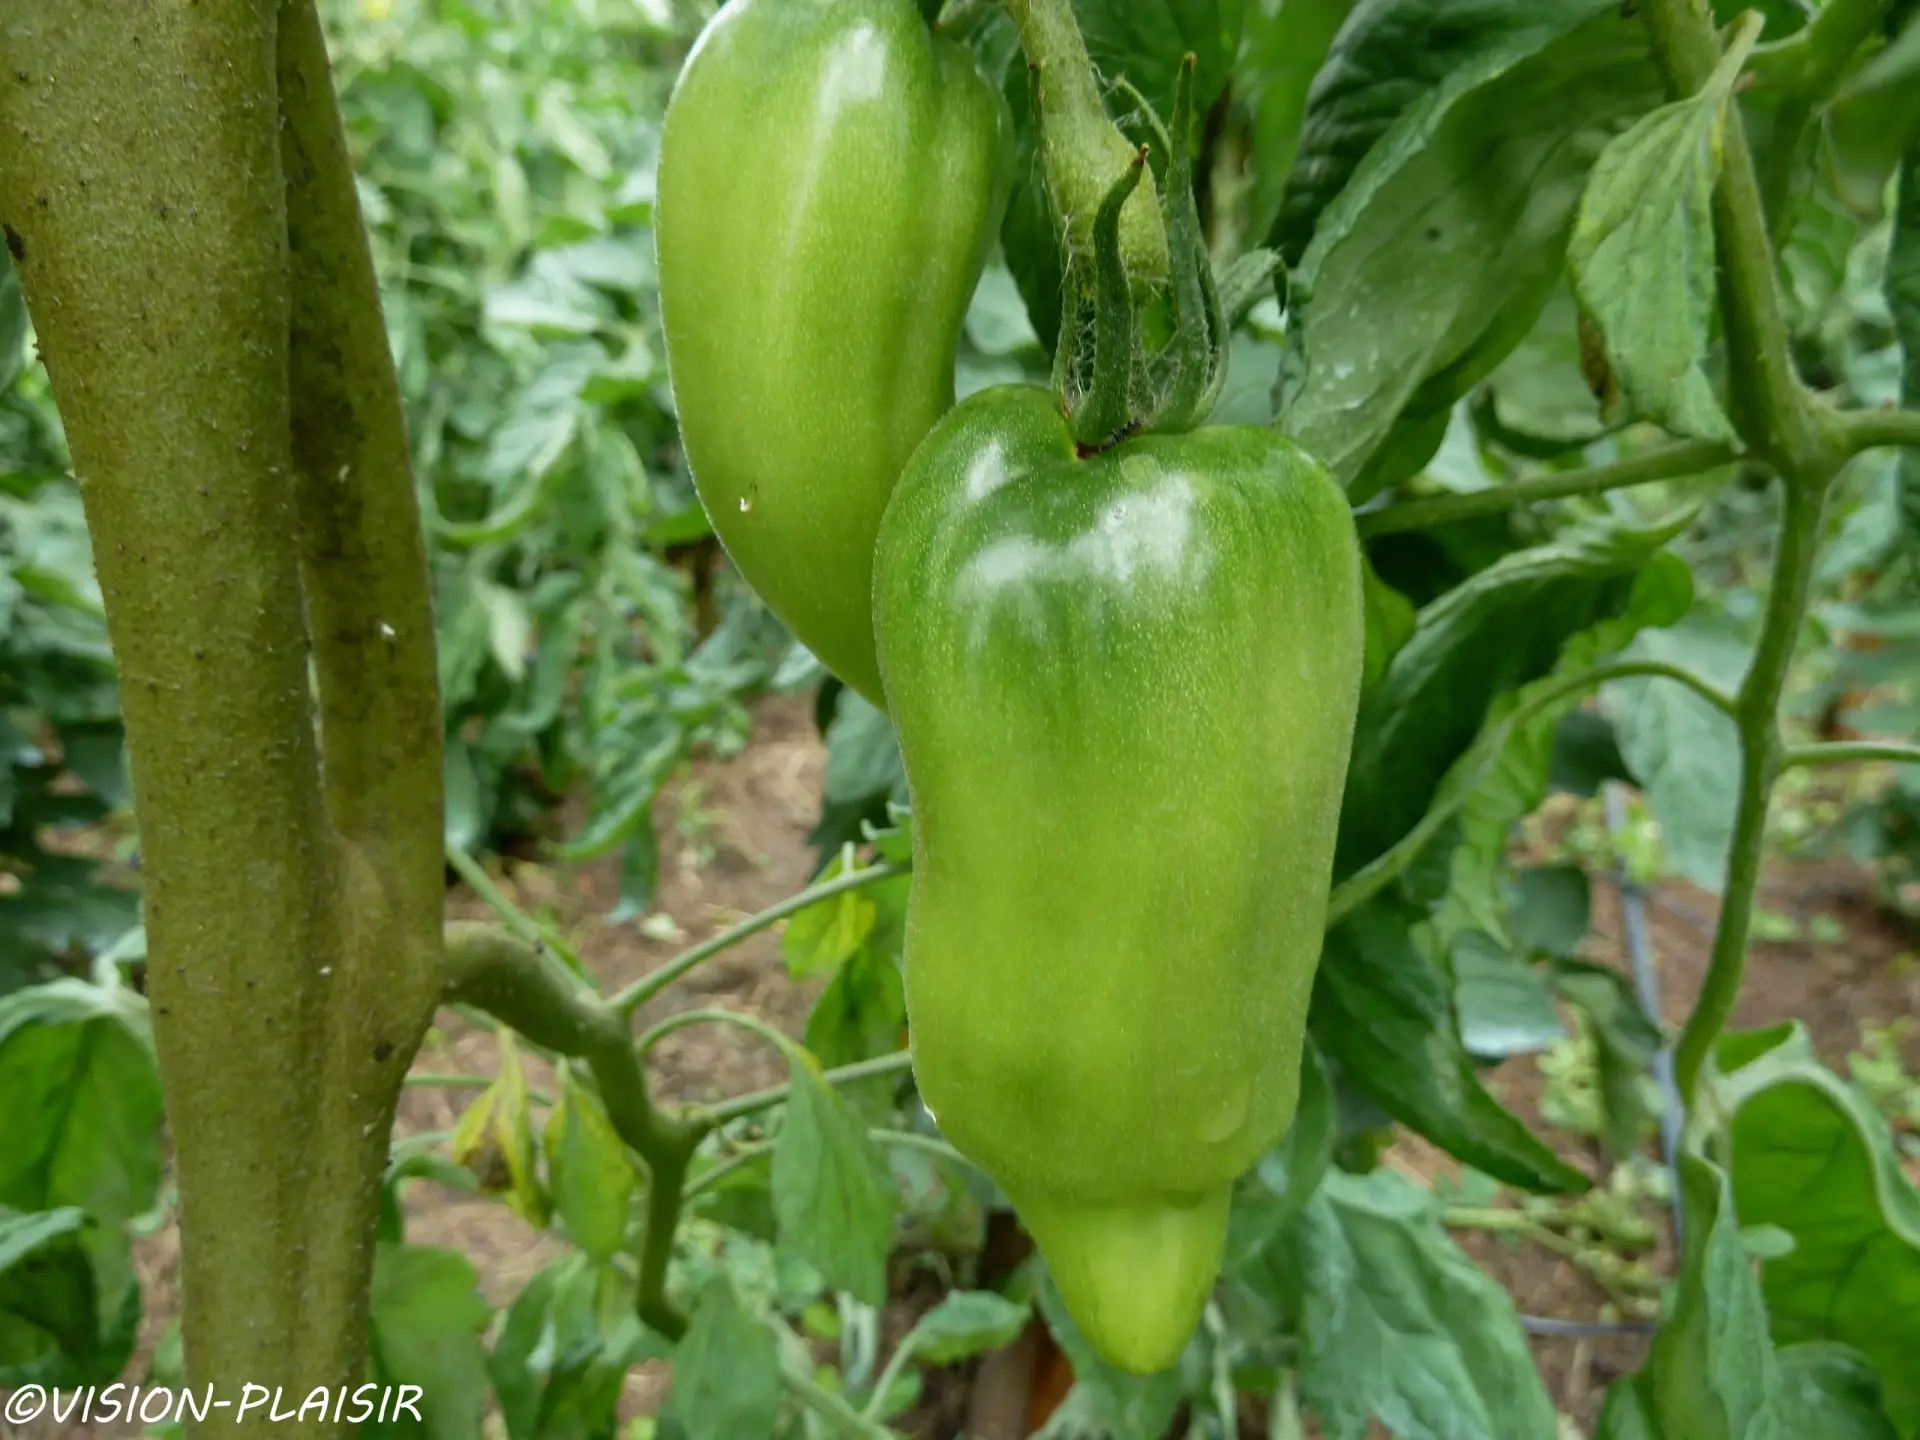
(1446, 241)
(1902, 285)
(997, 322)
(1396, 1323)
(57, 1328)
(1391, 622)
(1538, 398)
(81, 1121)
(560, 1363)
(1392, 58)
(1624, 1415)
(1874, 120)
(1714, 1373)
(1551, 909)
(21, 1235)
(827, 934)
(1642, 256)
(1681, 749)
(1832, 1392)
(423, 1328)
(863, 754)
(1500, 629)
(833, 1196)
(1283, 49)
(1143, 40)
(861, 1014)
(592, 1180)
(1503, 1003)
(726, 1373)
(1381, 1011)
(1027, 235)
(49, 1310)
(966, 1323)
(1811, 1156)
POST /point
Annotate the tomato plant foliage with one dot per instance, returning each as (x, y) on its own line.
(1601, 316)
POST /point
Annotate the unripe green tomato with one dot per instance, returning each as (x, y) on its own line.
(831, 179)
(1125, 688)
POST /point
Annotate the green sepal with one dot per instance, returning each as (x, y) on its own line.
(1199, 348)
(1105, 411)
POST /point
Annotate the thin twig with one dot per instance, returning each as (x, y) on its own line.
(742, 1106)
(1670, 462)
(518, 921)
(652, 983)
(1850, 752)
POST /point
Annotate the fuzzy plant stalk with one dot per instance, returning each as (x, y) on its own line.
(192, 256)
(1082, 152)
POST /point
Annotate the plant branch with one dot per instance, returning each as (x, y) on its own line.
(524, 986)
(1472, 767)
(742, 1106)
(925, 1144)
(511, 915)
(1760, 754)
(785, 1044)
(1870, 429)
(652, 983)
(707, 1179)
(1850, 752)
(1669, 462)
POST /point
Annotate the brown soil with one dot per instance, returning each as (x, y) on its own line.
(733, 841)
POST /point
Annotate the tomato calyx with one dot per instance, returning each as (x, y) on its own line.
(1111, 385)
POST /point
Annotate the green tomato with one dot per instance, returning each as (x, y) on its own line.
(831, 179)
(1125, 689)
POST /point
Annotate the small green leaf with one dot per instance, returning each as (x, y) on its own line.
(861, 1014)
(833, 1196)
(964, 1324)
(592, 1180)
(1381, 1011)
(726, 1374)
(424, 1324)
(1396, 1323)
(1503, 1003)
(1551, 906)
(1642, 255)
(1811, 1156)
(824, 936)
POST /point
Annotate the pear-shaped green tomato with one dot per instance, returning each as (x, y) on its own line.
(1125, 689)
(831, 177)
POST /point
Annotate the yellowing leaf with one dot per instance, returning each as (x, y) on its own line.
(494, 1140)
